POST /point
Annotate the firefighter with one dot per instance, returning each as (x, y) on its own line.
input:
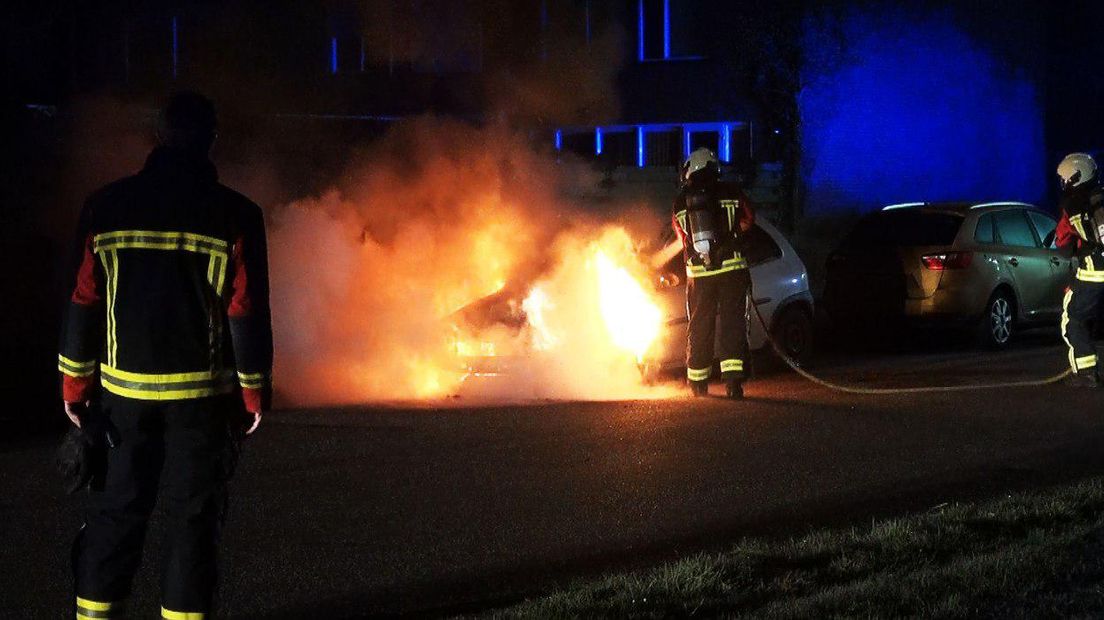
(1080, 233)
(167, 333)
(710, 218)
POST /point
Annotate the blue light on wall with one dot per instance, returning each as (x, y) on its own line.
(685, 143)
(333, 55)
(175, 47)
(640, 147)
(597, 140)
(726, 142)
(667, 29)
(640, 30)
(559, 139)
(917, 110)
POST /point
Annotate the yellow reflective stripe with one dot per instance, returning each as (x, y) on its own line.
(1075, 220)
(1087, 361)
(732, 365)
(182, 615)
(173, 386)
(91, 605)
(159, 234)
(698, 374)
(76, 369)
(253, 380)
(1089, 260)
(110, 262)
(730, 208)
(693, 271)
(736, 261)
(681, 217)
(1086, 275)
(1064, 324)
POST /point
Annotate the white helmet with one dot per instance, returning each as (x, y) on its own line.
(1077, 169)
(700, 159)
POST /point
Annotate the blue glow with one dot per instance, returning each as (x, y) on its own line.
(333, 55)
(175, 47)
(559, 139)
(640, 147)
(666, 29)
(597, 140)
(726, 142)
(586, 10)
(640, 30)
(685, 143)
(917, 110)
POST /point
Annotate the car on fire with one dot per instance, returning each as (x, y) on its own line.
(988, 266)
(780, 291)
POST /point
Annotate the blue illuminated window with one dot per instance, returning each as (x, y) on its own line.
(333, 55)
(597, 140)
(559, 140)
(640, 147)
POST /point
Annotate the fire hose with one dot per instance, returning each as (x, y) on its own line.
(850, 389)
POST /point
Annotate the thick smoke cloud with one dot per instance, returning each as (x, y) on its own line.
(434, 216)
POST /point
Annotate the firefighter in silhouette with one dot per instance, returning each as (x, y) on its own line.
(168, 337)
(1081, 233)
(710, 217)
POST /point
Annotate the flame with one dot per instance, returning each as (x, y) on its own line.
(632, 319)
(536, 307)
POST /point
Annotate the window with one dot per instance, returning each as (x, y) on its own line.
(1045, 227)
(1014, 229)
(759, 247)
(984, 231)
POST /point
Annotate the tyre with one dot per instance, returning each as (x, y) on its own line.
(793, 332)
(998, 323)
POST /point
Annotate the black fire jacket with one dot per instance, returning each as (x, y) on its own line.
(170, 290)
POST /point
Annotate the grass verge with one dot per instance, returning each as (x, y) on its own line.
(1026, 555)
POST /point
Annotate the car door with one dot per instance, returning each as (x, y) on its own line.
(1027, 261)
(1062, 267)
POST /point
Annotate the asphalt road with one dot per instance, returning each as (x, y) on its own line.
(426, 510)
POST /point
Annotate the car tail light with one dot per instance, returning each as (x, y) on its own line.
(947, 260)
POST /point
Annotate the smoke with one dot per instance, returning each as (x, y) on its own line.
(368, 278)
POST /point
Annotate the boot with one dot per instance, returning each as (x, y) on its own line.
(1083, 380)
(734, 388)
(699, 388)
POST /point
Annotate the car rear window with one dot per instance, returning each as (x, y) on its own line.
(903, 227)
(1014, 229)
(984, 231)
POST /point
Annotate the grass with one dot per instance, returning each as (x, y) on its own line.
(1026, 555)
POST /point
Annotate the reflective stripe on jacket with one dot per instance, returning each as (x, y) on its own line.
(170, 290)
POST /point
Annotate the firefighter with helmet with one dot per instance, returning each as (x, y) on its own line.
(710, 217)
(1081, 233)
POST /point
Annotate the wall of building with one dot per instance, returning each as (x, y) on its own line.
(905, 104)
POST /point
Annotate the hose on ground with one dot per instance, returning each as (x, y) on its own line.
(850, 389)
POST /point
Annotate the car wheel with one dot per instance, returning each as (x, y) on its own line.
(999, 321)
(793, 333)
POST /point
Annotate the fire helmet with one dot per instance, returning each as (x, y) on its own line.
(701, 161)
(1077, 169)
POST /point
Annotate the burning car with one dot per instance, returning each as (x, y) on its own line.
(636, 311)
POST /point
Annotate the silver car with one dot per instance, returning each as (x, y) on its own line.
(991, 266)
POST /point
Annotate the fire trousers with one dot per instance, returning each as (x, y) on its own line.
(717, 302)
(186, 448)
(1079, 308)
